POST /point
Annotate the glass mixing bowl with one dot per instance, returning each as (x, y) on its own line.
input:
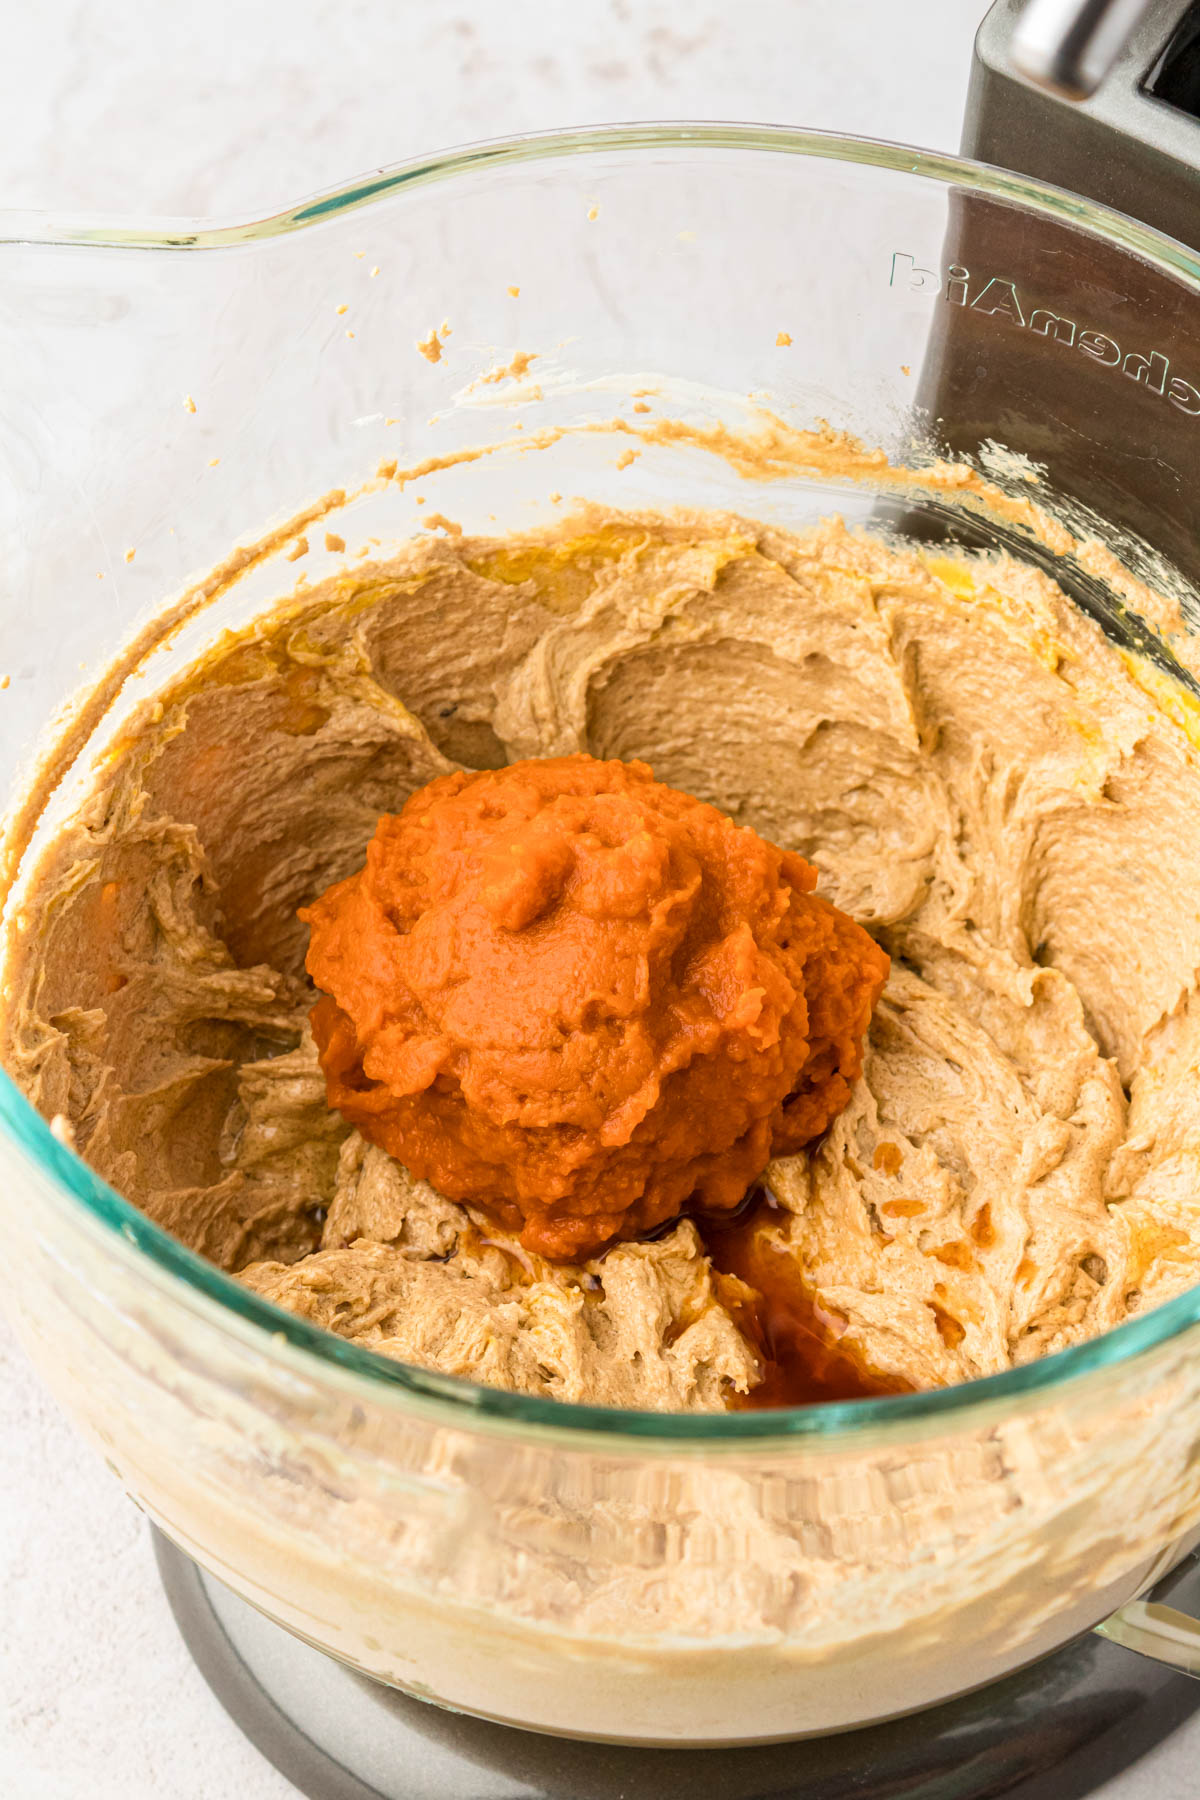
(171, 392)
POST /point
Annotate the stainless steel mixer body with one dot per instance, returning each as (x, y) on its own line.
(1132, 143)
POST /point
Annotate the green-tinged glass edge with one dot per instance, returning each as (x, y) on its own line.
(49, 230)
(456, 1400)
(135, 1233)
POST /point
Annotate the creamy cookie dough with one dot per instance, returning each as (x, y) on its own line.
(980, 778)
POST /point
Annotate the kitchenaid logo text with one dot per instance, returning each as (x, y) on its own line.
(993, 295)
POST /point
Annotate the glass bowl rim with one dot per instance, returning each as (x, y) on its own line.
(454, 1400)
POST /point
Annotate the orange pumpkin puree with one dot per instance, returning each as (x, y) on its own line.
(585, 1001)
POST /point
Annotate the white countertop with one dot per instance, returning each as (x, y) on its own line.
(242, 106)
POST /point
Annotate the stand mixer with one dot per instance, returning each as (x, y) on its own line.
(1098, 96)
(1022, 331)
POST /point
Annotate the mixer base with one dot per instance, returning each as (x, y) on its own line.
(1055, 1731)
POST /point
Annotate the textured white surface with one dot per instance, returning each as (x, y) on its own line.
(238, 107)
(241, 105)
